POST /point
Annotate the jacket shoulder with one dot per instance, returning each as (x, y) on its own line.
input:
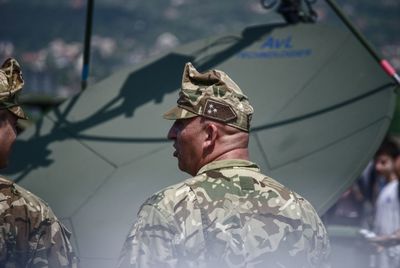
(168, 198)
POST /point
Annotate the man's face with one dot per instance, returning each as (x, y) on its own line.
(8, 133)
(188, 136)
(397, 166)
(384, 165)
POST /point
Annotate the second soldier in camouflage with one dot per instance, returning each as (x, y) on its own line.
(30, 233)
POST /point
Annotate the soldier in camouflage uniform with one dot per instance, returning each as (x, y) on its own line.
(229, 214)
(30, 234)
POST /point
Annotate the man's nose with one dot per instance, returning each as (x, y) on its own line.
(172, 132)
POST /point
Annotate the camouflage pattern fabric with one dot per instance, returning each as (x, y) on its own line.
(11, 83)
(229, 215)
(213, 95)
(30, 234)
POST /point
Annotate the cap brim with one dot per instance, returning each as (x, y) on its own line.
(17, 110)
(178, 113)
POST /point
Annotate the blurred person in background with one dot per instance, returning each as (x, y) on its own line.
(387, 215)
(371, 184)
(348, 210)
(30, 233)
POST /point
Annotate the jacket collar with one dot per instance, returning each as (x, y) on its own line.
(229, 163)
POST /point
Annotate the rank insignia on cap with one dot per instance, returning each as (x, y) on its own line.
(218, 111)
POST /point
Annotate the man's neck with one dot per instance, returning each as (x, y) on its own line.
(240, 153)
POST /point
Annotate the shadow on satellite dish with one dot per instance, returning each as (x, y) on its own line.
(141, 86)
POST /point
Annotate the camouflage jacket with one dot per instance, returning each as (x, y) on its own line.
(30, 234)
(229, 215)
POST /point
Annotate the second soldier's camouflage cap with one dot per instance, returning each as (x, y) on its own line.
(11, 83)
(213, 95)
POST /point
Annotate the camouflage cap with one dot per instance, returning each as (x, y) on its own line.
(212, 95)
(11, 83)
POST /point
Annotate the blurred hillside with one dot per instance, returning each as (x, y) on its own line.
(47, 36)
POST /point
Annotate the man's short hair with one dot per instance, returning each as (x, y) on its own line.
(388, 147)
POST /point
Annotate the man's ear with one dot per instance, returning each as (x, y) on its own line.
(211, 131)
